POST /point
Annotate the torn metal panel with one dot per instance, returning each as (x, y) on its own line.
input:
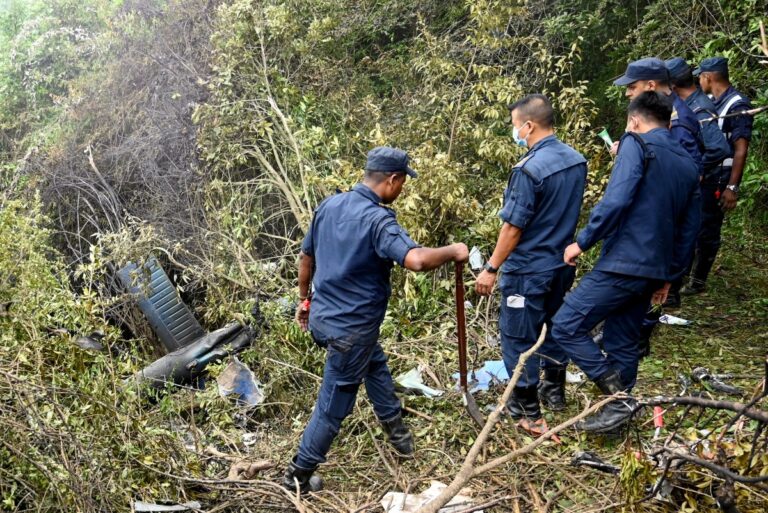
(170, 318)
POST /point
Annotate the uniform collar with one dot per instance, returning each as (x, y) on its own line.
(727, 94)
(366, 192)
(544, 142)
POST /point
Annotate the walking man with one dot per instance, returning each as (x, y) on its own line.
(647, 219)
(347, 256)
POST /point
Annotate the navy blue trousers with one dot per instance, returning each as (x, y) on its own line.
(622, 302)
(346, 367)
(709, 239)
(528, 301)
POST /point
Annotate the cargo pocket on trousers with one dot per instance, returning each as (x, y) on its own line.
(342, 400)
(571, 318)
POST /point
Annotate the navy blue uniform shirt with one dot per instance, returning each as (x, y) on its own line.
(739, 127)
(685, 128)
(543, 198)
(648, 218)
(354, 241)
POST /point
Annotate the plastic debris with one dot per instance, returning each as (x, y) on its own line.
(91, 342)
(713, 381)
(590, 459)
(493, 340)
(413, 381)
(148, 506)
(475, 259)
(574, 377)
(673, 321)
(492, 371)
(237, 379)
(397, 502)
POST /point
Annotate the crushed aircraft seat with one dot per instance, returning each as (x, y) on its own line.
(185, 365)
(169, 317)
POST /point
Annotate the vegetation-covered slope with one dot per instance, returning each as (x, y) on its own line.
(206, 131)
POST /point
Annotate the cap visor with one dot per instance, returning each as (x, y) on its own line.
(697, 72)
(410, 172)
(624, 81)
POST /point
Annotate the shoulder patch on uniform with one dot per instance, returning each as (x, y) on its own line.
(674, 114)
(524, 160)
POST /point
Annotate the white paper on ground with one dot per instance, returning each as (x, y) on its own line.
(516, 301)
(571, 377)
(397, 502)
(413, 380)
(672, 320)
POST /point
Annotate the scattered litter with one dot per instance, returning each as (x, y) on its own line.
(574, 377)
(468, 304)
(239, 380)
(396, 502)
(493, 371)
(673, 321)
(413, 381)
(493, 340)
(713, 381)
(250, 439)
(475, 259)
(148, 506)
(590, 459)
(658, 421)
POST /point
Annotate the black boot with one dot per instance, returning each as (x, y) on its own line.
(307, 481)
(524, 403)
(552, 388)
(614, 414)
(399, 435)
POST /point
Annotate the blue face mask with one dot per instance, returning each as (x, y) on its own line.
(516, 136)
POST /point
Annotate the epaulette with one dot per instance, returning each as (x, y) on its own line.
(524, 160)
(674, 114)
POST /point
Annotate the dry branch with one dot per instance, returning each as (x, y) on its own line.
(752, 413)
(468, 470)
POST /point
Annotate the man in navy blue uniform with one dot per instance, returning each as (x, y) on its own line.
(715, 146)
(651, 74)
(720, 186)
(540, 212)
(347, 255)
(648, 220)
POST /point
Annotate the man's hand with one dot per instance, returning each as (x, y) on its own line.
(461, 252)
(660, 296)
(614, 149)
(728, 200)
(302, 314)
(484, 283)
(572, 252)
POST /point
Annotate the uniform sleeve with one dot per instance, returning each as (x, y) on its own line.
(741, 126)
(686, 234)
(687, 140)
(519, 200)
(608, 213)
(392, 241)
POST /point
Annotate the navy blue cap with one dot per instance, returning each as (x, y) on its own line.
(389, 160)
(719, 64)
(677, 67)
(650, 68)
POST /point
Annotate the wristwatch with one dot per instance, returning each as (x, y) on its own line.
(733, 188)
(491, 269)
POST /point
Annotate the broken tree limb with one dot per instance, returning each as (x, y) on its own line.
(468, 470)
(743, 409)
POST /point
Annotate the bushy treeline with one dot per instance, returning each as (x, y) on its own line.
(206, 131)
